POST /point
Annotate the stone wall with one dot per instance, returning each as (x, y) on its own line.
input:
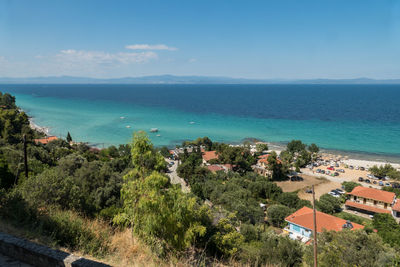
(42, 256)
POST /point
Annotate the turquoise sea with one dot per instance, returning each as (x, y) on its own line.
(360, 119)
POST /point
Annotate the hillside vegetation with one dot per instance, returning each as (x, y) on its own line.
(118, 205)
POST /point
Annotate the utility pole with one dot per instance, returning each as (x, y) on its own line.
(25, 158)
(315, 229)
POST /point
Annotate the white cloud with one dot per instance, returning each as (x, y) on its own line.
(100, 57)
(150, 47)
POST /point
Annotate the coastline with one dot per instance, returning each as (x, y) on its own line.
(42, 129)
(363, 159)
(355, 158)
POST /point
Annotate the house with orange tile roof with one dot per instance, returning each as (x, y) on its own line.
(209, 155)
(45, 140)
(396, 210)
(220, 167)
(262, 165)
(215, 168)
(301, 224)
(370, 200)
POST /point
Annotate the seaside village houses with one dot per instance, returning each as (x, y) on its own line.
(370, 201)
(301, 224)
(210, 155)
(262, 165)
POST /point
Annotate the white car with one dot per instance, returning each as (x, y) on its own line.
(333, 194)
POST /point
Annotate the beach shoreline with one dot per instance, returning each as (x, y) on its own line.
(41, 129)
(361, 159)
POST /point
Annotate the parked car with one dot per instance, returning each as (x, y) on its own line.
(318, 170)
(334, 194)
(381, 183)
(328, 172)
(395, 185)
(331, 168)
(360, 179)
(337, 165)
(308, 190)
(387, 184)
(368, 181)
(336, 174)
(340, 191)
(351, 167)
(362, 169)
(323, 171)
(370, 176)
(357, 168)
(374, 182)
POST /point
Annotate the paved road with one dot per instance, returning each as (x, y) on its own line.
(10, 262)
(175, 179)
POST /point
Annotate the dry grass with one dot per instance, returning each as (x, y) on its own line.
(322, 186)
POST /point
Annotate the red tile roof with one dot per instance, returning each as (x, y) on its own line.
(304, 217)
(215, 168)
(365, 207)
(209, 155)
(228, 166)
(264, 159)
(45, 140)
(396, 206)
(373, 193)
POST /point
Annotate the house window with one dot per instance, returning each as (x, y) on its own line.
(296, 228)
(385, 205)
(364, 201)
(355, 198)
(375, 202)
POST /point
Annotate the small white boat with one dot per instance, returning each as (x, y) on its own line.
(128, 126)
(192, 122)
(122, 118)
(158, 135)
(154, 130)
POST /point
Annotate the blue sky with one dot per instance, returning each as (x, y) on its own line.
(252, 39)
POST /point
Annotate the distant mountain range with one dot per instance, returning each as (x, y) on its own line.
(171, 79)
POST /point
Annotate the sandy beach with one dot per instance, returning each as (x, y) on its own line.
(33, 125)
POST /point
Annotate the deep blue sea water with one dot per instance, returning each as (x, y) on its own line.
(354, 118)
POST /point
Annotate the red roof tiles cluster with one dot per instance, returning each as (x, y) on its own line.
(264, 159)
(215, 168)
(365, 207)
(396, 207)
(45, 140)
(304, 217)
(209, 155)
(373, 193)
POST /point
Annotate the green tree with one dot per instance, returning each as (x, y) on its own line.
(260, 147)
(227, 239)
(328, 204)
(277, 213)
(69, 138)
(291, 200)
(295, 147)
(278, 170)
(165, 152)
(144, 157)
(385, 170)
(161, 215)
(6, 177)
(349, 186)
(313, 148)
(351, 248)
(387, 228)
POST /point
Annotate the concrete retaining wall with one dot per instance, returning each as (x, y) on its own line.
(42, 256)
